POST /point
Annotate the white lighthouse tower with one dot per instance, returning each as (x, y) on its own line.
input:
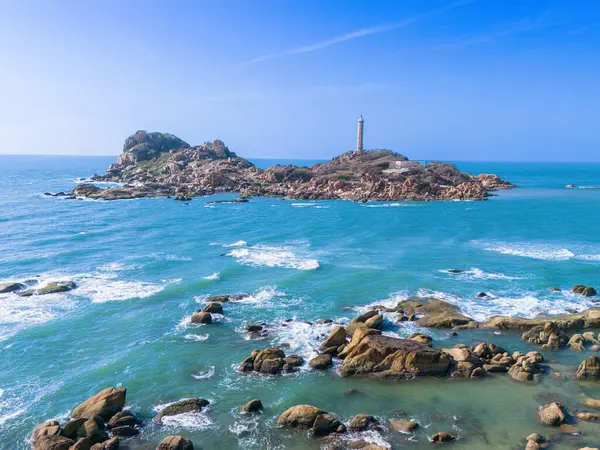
(359, 135)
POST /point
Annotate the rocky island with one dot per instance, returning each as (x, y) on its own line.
(161, 165)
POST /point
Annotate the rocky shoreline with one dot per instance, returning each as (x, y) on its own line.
(360, 348)
(162, 165)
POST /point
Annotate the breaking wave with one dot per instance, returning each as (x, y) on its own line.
(197, 420)
(545, 252)
(273, 256)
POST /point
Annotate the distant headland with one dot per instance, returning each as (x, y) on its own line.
(162, 165)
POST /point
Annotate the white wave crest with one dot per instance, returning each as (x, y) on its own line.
(214, 276)
(202, 375)
(302, 338)
(272, 256)
(196, 337)
(386, 205)
(197, 420)
(478, 274)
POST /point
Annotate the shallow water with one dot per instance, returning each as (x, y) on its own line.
(144, 266)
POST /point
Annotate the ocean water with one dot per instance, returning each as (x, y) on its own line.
(144, 266)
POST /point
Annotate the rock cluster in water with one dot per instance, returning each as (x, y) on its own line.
(158, 164)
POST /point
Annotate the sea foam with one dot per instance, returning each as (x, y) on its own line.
(273, 256)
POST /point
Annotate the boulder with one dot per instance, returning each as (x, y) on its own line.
(321, 362)
(122, 419)
(548, 335)
(588, 416)
(82, 444)
(175, 443)
(362, 422)
(180, 407)
(422, 338)
(10, 287)
(125, 431)
(93, 429)
(252, 406)
(267, 361)
(325, 424)
(105, 404)
(56, 287)
(375, 322)
(364, 317)
(49, 428)
(213, 308)
(552, 414)
(388, 356)
(448, 319)
(52, 442)
(403, 426)
(201, 317)
(336, 338)
(586, 291)
(443, 436)
(592, 402)
(589, 369)
(300, 416)
(71, 428)
(111, 444)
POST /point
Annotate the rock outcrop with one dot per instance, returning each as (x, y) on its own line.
(589, 369)
(158, 164)
(91, 424)
(371, 353)
(589, 318)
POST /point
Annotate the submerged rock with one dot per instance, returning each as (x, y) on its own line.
(552, 414)
(182, 406)
(548, 335)
(443, 436)
(175, 443)
(403, 425)
(54, 287)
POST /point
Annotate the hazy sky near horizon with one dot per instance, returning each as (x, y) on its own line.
(434, 79)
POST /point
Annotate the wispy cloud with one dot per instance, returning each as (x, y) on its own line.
(363, 32)
(515, 29)
(584, 28)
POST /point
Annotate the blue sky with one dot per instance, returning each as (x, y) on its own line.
(465, 80)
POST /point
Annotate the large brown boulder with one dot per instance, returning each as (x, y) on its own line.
(589, 369)
(448, 319)
(105, 404)
(93, 429)
(267, 361)
(175, 443)
(372, 353)
(362, 422)
(202, 317)
(49, 428)
(182, 406)
(52, 442)
(438, 313)
(586, 291)
(82, 444)
(336, 338)
(321, 362)
(552, 414)
(111, 444)
(300, 416)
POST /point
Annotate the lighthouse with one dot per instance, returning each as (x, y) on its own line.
(359, 135)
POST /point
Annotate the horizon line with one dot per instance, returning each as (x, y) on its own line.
(329, 158)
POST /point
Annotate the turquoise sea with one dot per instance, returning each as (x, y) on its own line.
(144, 266)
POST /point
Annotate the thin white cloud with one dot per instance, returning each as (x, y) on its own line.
(356, 34)
(519, 28)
